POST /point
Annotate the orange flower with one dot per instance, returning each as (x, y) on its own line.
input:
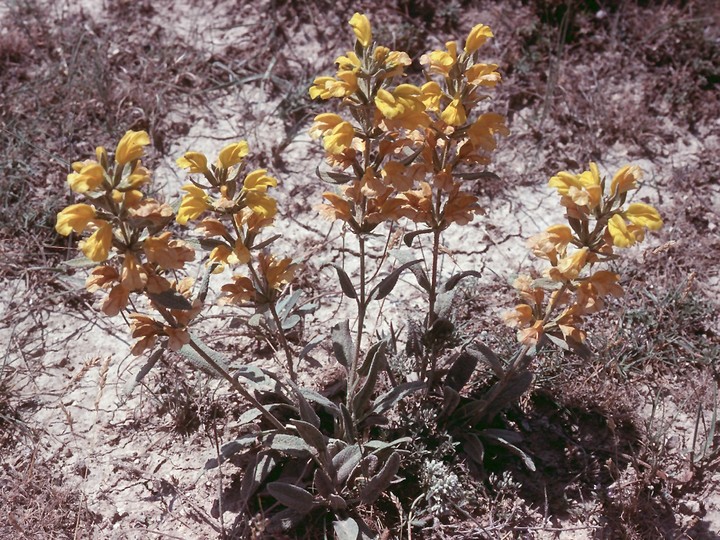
(169, 254)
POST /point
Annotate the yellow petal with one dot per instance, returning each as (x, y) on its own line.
(232, 154)
(618, 230)
(361, 27)
(97, 246)
(194, 162)
(131, 146)
(644, 215)
(477, 37)
(74, 218)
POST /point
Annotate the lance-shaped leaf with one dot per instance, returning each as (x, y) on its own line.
(409, 237)
(323, 484)
(380, 482)
(361, 399)
(290, 445)
(346, 529)
(333, 177)
(461, 371)
(501, 440)
(451, 399)
(474, 448)
(451, 283)
(284, 521)
(266, 243)
(345, 283)
(314, 342)
(321, 400)
(508, 392)
(487, 175)
(386, 401)
(292, 496)
(140, 375)
(307, 413)
(385, 287)
(231, 448)
(170, 299)
(342, 343)
(255, 474)
(376, 351)
(311, 435)
(191, 354)
(482, 352)
(345, 461)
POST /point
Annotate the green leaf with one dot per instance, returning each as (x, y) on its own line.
(311, 435)
(231, 448)
(193, 356)
(332, 177)
(319, 399)
(385, 287)
(342, 343)
(345, 283)
(386, 401)
(346, 529)
(290, 445)
(487, 175)
(314, 342)
(361, 399)
(256, 471)
(170, 299)
(307, 414)
(451, 399)
(140, 375)
(451, 283)
(474, 448)
(460, 372)
(323, 483)
(483, 352)
(527, 461)
(292, 496)
(409, 237)
(381, 481)
(345, 461)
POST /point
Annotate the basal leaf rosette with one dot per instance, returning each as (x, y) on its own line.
(121, 226)
(556, 305)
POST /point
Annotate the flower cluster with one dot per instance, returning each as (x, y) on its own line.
(126, 234)
(237, 207)
(598, 222)
(403, 150)
(125, 228)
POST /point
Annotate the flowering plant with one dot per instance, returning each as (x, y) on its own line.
(402, 154)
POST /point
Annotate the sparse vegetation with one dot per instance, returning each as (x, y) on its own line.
(427, 422)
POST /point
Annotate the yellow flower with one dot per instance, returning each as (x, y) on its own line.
(478, 36)
(623, 235)
(482, 132)
(193, 204)
(403, 101)
(323, 124)
(328, 87)
(74, 218)
(569, 268)
(431, 95)
(551, 243)
(441, 62)
(625, 179)
(169, 254)
(519, 317)
(131, 146)
(644, 215)
(134, 276)
(361, 27)
(259, 181)
(239, 291)
(339, 139)
(277, 272)
(232, 154)
(88, 176)
(454, 114)
(483, 75)
(97, 246)
(194, 162)
(139, 176)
